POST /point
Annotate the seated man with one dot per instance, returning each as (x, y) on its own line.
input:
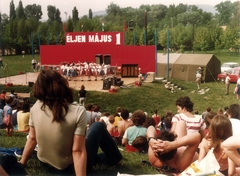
(167, 86)
(175, 154)
(125, 123)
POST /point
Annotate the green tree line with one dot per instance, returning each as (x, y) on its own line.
(190, 27)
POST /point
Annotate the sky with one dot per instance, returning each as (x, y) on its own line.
(83, 6)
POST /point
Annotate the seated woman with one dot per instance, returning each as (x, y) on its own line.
(219, 130)
(208, 118)
(151, 122)
(138, 119)
(23, 118)
(194, 123)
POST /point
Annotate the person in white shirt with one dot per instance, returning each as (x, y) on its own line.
(233, 113)
(34, 62)
(198, 77)
(227, 82)
(238, 87)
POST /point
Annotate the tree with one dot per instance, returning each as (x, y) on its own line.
(75, 17)
(230, 37)
(90, 14)
(12, 11)
(43, 28)
(21, 41)
(202, 38)
(51, 13)
(33, 11)
(225, 11)
(181, 8)
(158, 12)
(181, 37)
(10, 35)
(113, 9)
(20, 11)
(70, 26)
(191, 17)
(58, 16)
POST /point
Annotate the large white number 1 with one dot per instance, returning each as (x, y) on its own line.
(118, 41)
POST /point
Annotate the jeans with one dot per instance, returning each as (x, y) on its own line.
(98, 136)
(82, 101)
(11, 166)
(69, 171)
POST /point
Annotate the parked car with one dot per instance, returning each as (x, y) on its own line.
(232, 73)
(228, 65)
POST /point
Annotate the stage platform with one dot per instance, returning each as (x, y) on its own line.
(24, 79)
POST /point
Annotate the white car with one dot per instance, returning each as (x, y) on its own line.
(228, 65)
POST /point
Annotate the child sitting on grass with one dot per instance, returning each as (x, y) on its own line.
(7, 113)
(110, 126)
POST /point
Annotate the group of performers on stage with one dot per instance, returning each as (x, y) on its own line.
(72, 70)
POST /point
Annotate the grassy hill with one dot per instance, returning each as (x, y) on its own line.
(147, 98)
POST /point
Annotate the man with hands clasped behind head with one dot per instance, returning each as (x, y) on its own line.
(185, 146)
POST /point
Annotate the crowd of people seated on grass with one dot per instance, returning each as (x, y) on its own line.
(68, 135)
(14, 113)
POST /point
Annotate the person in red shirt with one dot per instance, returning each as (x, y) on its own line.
(156, 117)
(2, 99)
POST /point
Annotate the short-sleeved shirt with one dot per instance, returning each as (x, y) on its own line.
(134, 131)
(82, 93)
(23, 120)
(55, 139)
(91, 116)
(227, 80)
(235, 126)
(194, 124)
(7, 110)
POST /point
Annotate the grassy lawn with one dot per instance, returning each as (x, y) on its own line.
(131, 161)
(147, 98)
(18, 64)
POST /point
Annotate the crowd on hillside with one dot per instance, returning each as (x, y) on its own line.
(68, 134)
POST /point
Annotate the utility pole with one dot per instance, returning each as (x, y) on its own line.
(145, 26)
(66, 15)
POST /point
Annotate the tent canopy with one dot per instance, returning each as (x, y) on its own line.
(185, 66)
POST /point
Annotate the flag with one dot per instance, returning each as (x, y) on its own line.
(64, 27)
(81, 24)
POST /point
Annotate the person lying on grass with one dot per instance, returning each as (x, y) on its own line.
(171, 151)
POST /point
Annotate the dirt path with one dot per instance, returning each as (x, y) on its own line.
(24, 79)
